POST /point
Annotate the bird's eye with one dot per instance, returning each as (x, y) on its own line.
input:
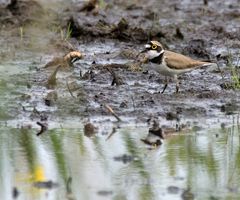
(154, 46)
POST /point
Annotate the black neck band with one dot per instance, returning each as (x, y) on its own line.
(157, 60)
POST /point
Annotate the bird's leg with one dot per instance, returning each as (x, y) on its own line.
(166, 84)
(177, 83)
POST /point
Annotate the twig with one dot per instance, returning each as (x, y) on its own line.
(155, 16)
(43, 128)
(154, 144)
(112, 133)
(112, 112)
(69, 90)
(51, 82)
(116, 79)
(133, 102)
(220, 71)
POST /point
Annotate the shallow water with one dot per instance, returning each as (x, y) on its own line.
(205, 162)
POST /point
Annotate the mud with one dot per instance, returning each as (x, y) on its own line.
(114, 33)
(19, 13)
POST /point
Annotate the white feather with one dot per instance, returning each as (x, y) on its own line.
(147, 46)
(153, 54)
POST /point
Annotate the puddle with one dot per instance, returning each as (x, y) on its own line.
(205, 162)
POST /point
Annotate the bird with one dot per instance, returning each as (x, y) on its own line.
(169, 63)
(65, 61)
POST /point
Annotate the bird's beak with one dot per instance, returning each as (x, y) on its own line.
(144, 51)
(147, 46)
(75, 60)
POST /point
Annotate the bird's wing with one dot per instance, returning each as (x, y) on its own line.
(179, 61)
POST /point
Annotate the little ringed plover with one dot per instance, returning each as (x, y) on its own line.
(170, 64)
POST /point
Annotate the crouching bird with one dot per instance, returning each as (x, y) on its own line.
(65, 61)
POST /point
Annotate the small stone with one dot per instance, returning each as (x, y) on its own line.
(123, 105)
(89, 130)
(173, 189)
(187, 195)
(104, 192)
(51, 98)
(124, 158)
(15, 193)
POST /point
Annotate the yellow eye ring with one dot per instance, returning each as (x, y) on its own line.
(154, 46)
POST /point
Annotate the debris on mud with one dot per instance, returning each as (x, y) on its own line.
(172, 116)
(155, 134)
(105, 192)
(127, 66)
(109, 109)
(73, 86)
(117, 80)
(51, 98)
(90, 6)
(229, 108)
(207, 95)
(153, 144)
(45, 184)
(125, 158)
(90, 130)
(156, 129)
(15, 193)
(114, 130)
(187, 195)
(173, 189)
(43, 128)
(89, 75)
(179, 34)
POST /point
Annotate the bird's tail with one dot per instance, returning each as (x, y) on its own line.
(209, 64)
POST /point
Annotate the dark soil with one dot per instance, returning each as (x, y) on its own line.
(18, 12)
(104, 33)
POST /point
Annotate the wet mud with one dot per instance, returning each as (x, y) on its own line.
(111, 36)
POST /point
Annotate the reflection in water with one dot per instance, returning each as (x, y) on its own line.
(203, 164)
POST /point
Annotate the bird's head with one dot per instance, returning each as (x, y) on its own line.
(73, 56)
(153, 49)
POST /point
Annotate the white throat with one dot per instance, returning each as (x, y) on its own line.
(153, 54)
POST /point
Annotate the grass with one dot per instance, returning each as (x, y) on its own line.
(69, 32)
(65, 35)
(21, 33)
(234, 69)
(102, 4)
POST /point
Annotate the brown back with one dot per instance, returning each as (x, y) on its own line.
(179, 61)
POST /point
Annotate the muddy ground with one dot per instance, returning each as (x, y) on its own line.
(113, 32)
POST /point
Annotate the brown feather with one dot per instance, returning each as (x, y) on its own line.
(179, 61)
